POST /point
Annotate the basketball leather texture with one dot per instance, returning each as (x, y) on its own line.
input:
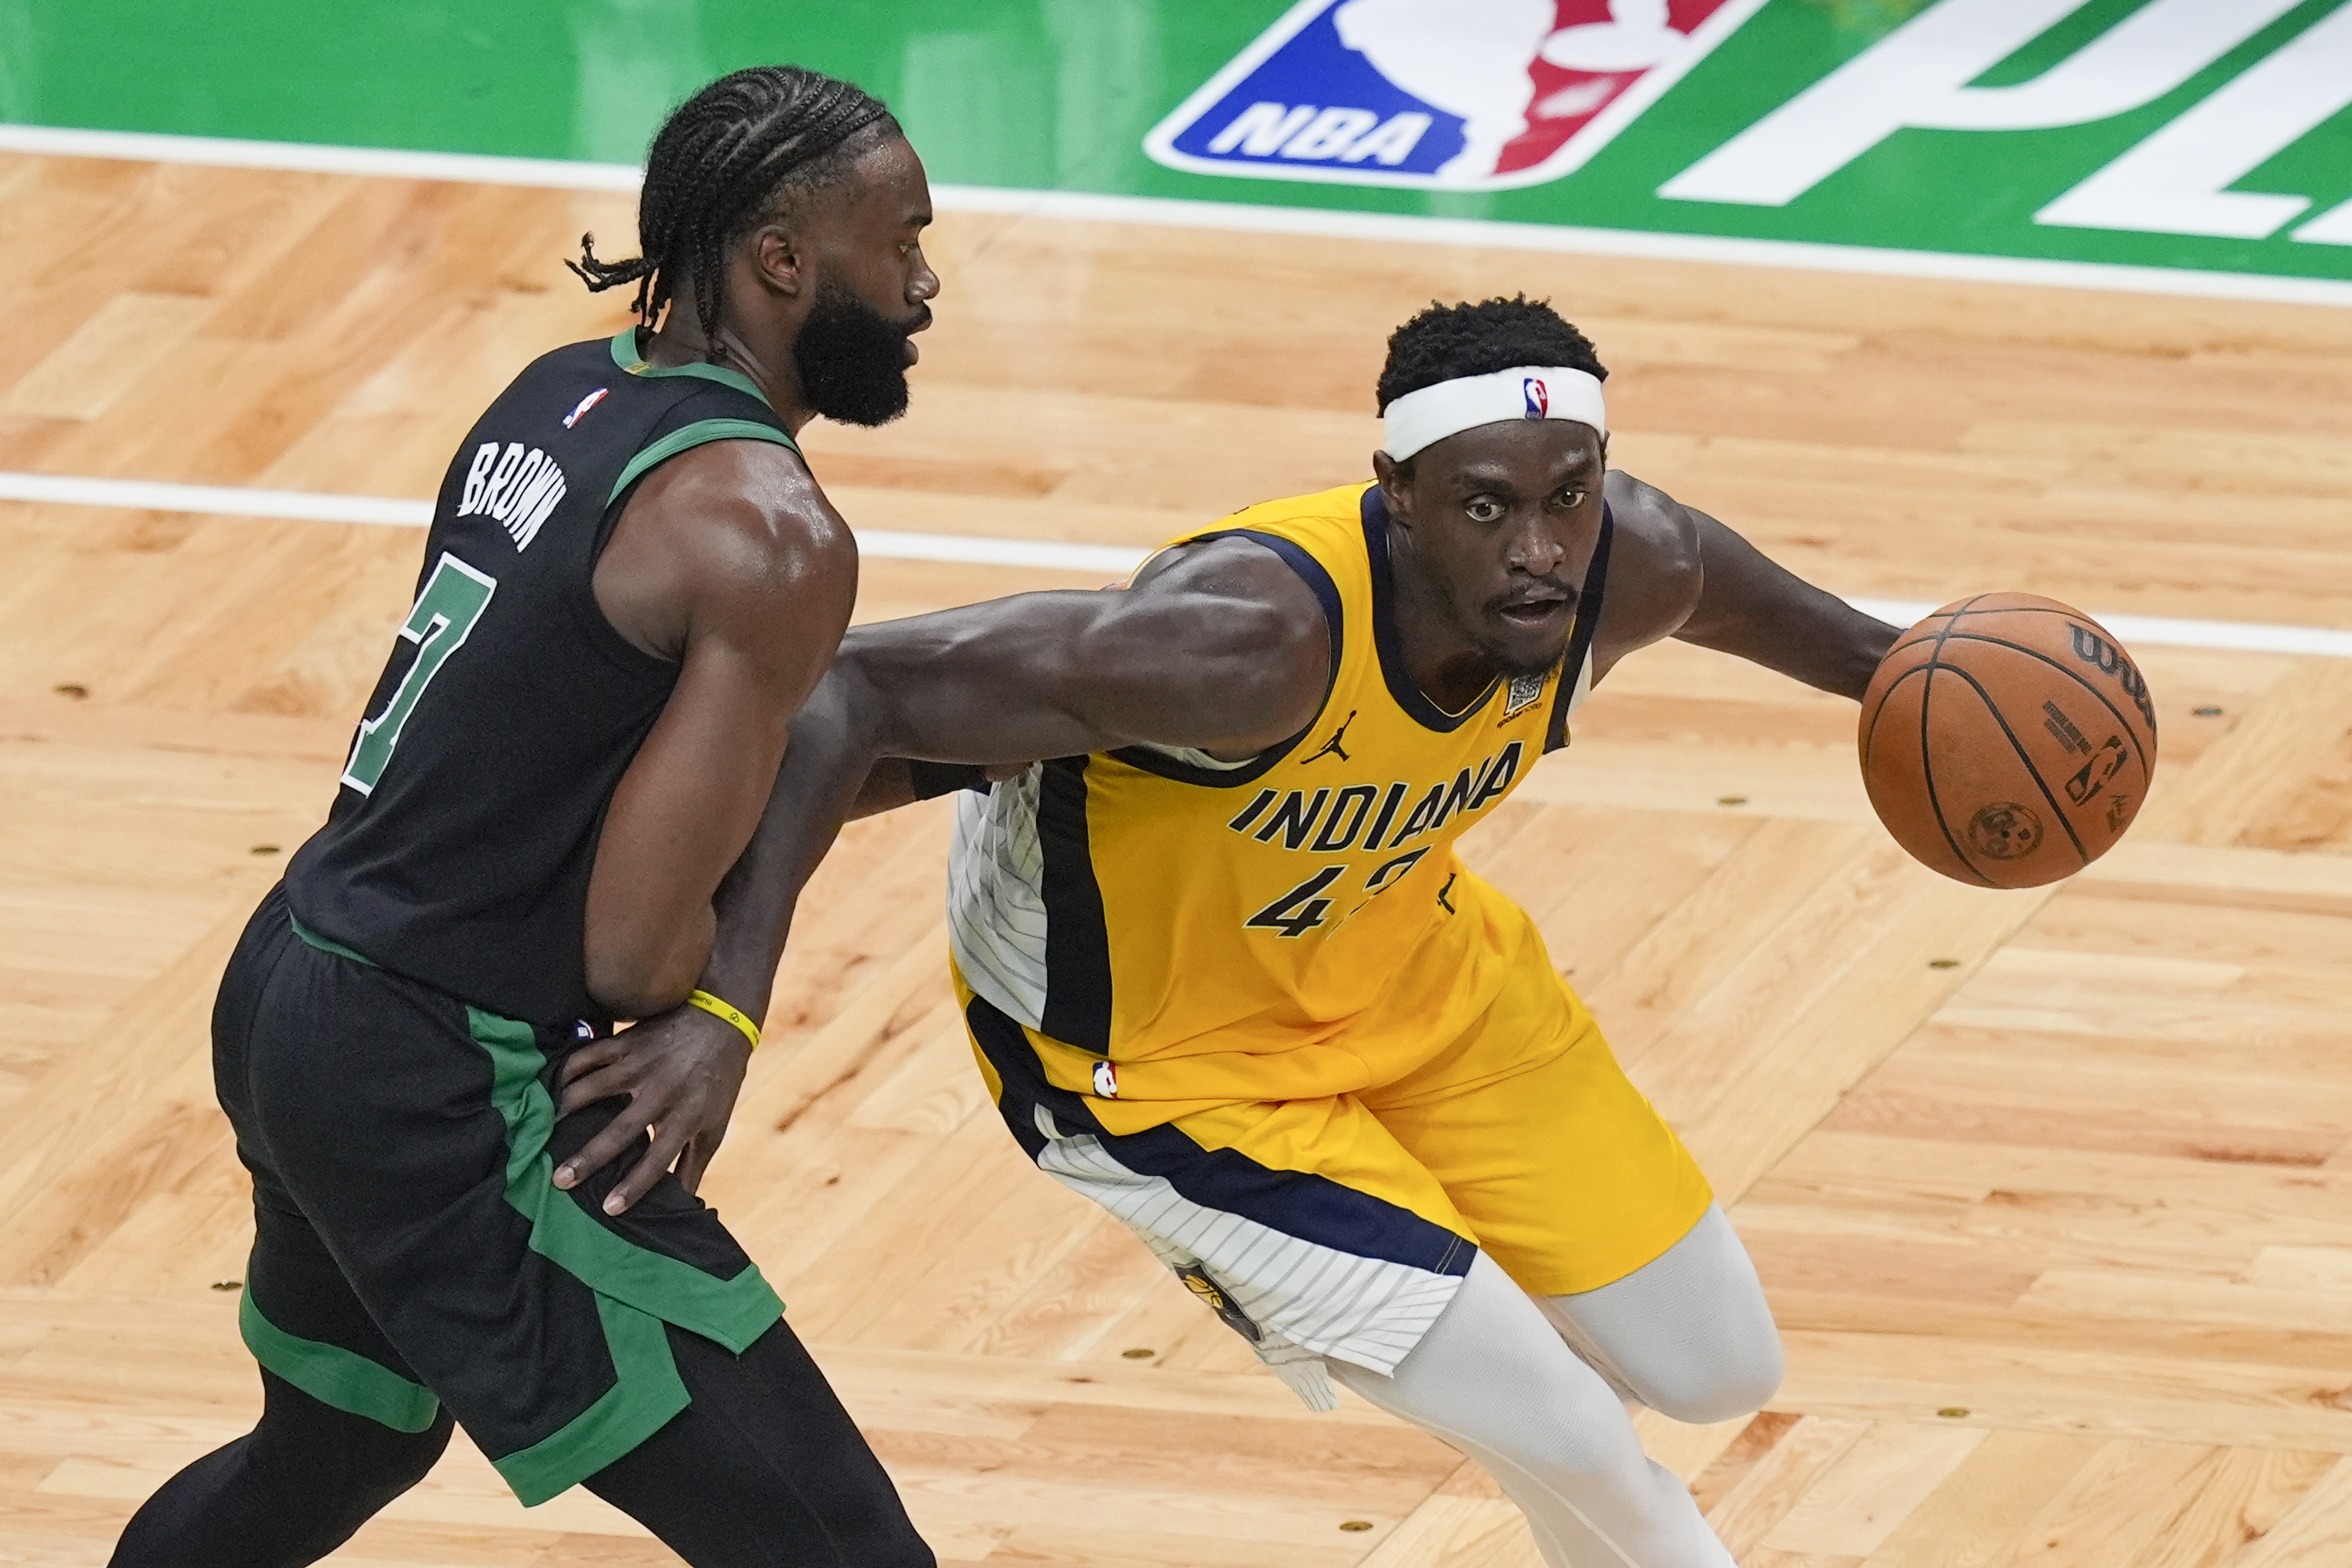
(2007, 740)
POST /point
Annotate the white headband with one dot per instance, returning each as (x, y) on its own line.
(1530, 392)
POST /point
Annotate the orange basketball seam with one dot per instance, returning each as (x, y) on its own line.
(1879, 707)
(2147, 763)
(2016, 745)
(1928, 757)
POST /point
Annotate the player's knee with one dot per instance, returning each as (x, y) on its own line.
(403, 1463)
(1705, 1388)
(354, 1479)
(1568, 1431)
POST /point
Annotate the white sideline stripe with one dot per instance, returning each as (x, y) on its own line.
(1232, 216)
(309, 158)
(983, 550)
(2237, 637)
(309, 506)
(148, 495)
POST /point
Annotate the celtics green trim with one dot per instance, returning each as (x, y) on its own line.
(333, 1376)
(636, 1292)
(701, 433)
(646, 1392)
(733, 1312)
(327, 943)
(625, 355)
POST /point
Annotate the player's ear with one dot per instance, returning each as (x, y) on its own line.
(1396, 486)
(776, 253)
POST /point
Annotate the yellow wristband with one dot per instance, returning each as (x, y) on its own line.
(719, 1007)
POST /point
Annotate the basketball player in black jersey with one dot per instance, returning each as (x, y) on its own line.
(631, 582)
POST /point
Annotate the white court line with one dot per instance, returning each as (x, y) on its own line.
(1231, 217)
(304, 157)
(983, 550)
(147, 495)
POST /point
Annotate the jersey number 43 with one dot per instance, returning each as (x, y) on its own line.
(1303, 907)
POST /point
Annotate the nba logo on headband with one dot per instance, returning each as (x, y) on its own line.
(1415, 419)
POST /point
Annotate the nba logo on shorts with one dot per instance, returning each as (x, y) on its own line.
(1539, 397)
(1461, 95)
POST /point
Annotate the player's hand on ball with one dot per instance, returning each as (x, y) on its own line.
(681, 1073)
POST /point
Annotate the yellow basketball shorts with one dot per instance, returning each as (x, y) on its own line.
(1344, 1224)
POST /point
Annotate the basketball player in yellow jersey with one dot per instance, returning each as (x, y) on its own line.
(1227, 977)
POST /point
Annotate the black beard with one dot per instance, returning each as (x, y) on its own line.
(852, 360)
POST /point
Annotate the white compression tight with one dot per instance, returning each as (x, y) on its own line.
(1688, 1335)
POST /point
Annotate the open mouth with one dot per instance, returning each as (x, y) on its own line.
(1532, 612)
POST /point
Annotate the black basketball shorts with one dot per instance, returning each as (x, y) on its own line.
(411, 1248)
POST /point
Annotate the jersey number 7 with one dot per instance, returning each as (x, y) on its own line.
(455, 597)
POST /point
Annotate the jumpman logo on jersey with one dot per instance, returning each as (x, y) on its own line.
(1332, 747)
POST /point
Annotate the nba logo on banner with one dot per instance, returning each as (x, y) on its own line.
(1458, 95)
(1539, 397)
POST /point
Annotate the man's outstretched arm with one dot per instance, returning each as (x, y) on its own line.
(1221, 646)
(1711, 588)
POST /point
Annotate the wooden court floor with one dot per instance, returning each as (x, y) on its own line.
(2052, 1191)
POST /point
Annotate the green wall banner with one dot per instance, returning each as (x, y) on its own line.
(2212, 137)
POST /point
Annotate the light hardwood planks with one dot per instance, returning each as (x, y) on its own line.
(2053, 1192)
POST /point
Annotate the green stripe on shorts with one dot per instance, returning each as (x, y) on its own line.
(646, 1392)
(326, 943)
(636, 1290)
(333, 1376)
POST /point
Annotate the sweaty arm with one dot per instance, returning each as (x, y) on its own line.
(1218, 646)
(728, 560)
(1705, 584)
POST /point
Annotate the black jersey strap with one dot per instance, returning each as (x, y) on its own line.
(1580, 640)
(701, 433)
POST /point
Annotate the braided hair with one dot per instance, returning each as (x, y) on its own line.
(718, 166)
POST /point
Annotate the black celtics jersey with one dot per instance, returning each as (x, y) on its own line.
(458, 849)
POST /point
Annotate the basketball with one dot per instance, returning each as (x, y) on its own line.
(2007, 740)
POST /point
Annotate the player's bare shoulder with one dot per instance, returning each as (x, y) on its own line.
(728, 528)
(1240, 598)
(1656, 569)
(1244, 585)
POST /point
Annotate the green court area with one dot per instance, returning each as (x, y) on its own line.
(2143, 133)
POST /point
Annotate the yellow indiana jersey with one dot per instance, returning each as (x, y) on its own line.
(1175, 930)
